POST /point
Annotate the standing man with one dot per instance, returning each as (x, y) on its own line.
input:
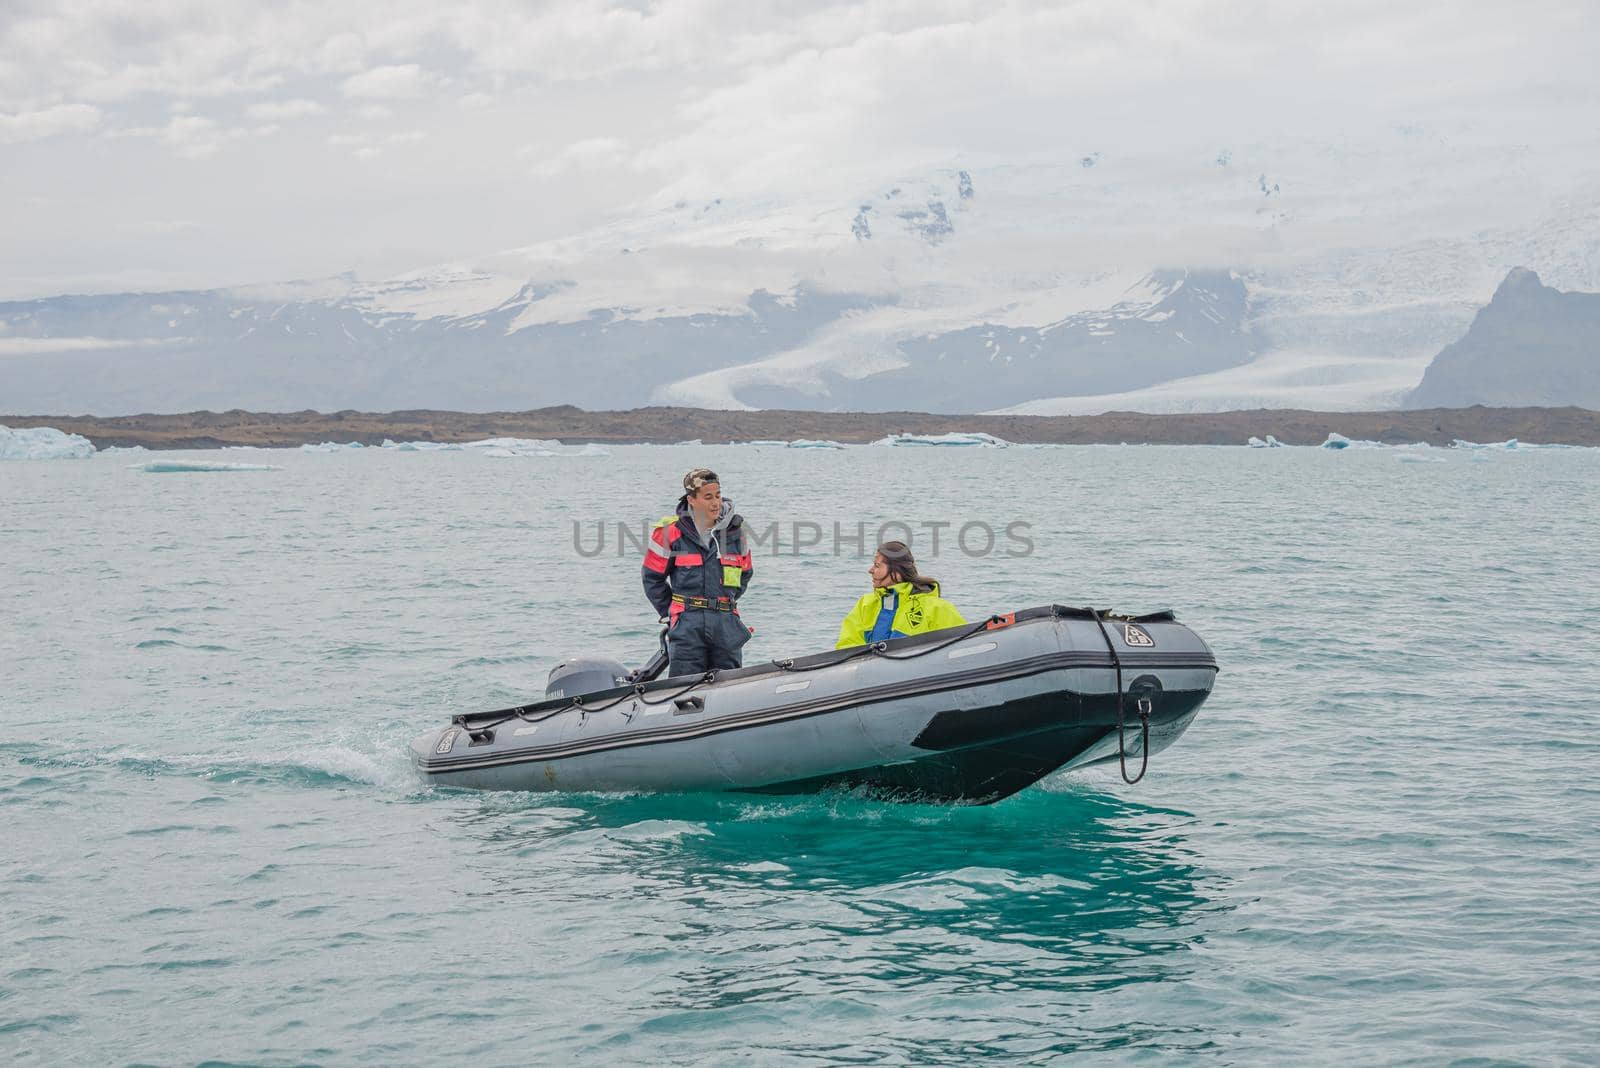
(696, 566)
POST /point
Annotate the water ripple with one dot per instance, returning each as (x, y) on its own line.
(1377, 843)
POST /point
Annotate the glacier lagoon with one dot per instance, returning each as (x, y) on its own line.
(1376, 843)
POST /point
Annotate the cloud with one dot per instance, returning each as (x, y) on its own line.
(34, 346)
(698, 99)
(849, 90)
(159, 227)
(366, 146)
(401, 82)
(188, 136)
(297, 108)
(48, 122)
(593, 154)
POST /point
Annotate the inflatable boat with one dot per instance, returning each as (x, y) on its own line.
(970, 714)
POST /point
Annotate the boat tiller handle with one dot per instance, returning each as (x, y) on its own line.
(656, 666)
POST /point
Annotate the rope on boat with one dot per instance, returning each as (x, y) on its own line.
(880, 649)
(1143, 706)
(635, 692)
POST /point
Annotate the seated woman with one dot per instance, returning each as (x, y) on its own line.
(901, 601)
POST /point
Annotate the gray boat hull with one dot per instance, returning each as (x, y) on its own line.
(970, 714)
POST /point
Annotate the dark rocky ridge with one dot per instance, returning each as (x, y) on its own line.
(1566, 426)
(1530, 344)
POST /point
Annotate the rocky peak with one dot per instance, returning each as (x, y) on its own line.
(1519, 280)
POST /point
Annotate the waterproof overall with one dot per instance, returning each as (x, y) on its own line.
(696, 583)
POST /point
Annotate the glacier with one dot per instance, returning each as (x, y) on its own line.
(1036, 287)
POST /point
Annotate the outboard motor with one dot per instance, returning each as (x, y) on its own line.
(584, 674)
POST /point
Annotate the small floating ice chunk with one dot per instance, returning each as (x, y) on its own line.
(122, 450)
(1418, 458)
(953, 439)
(168, 467)
(808, 443)
(43, 443)
(331, 446)
(1270, 443)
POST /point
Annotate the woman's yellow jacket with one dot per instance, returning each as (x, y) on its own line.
(917, 613)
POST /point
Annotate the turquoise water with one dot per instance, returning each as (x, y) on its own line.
(1377, 843)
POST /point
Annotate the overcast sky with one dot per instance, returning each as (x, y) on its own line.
(196, 143)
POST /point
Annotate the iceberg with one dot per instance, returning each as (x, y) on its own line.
(504, 447)
(122, 450)
(1270, 443)
(167, 467)
(800, 443)
(957, 439)
(43, 443)
(514, 446)
(1509, 445)
(420, 446)
(1339, 441)
(331, 446)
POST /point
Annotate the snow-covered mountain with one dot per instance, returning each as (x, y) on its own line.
(1287, 276)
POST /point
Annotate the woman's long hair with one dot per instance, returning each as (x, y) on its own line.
(903, 567)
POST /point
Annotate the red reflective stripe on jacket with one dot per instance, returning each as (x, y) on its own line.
(738, 561)
(658, 554)
(688, 559)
